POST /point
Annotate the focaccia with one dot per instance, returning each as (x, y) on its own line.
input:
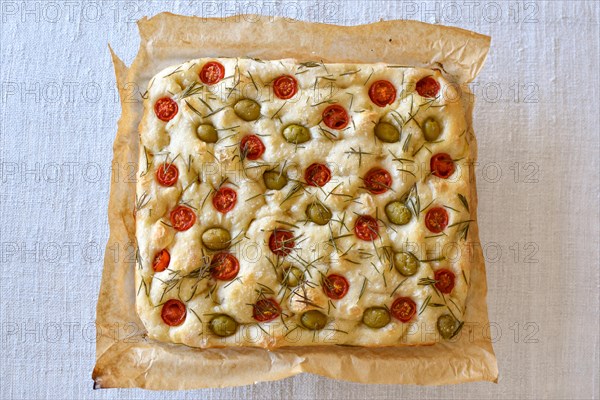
(291, 204)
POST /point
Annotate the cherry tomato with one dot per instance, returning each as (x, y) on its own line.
(366, 228)
(266, 310)
(442, 165)
(378, 181)
(285, 87)
(336, 117)
(212, 72)
(182, 218)
(404, 309)
(252, 147)
(382, 93)
(173, 312)
(428, 87)
(224, 266)
(445, 280)
(224, 199)
(335, 286)
(167, 174)
(161, 261)
(436, 219)
(317, 175)
(165, 109)
(281, 242)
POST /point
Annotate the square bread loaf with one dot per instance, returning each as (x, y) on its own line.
(292, 204)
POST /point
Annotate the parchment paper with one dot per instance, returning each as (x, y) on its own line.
(127, 358)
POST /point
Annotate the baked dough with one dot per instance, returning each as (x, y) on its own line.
(178, 299)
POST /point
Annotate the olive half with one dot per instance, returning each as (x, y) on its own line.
(318, 213)
(296, 134)
(447, 326)
(398, 213)
(387, 132)
(376, 317)
(275, 180)
(406, 263)
(431, 129)
(223, 325)
(246, 109)
(207, 133)
(313, 320)
(292, 277)
(216, 238)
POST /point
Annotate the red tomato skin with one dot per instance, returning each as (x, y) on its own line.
(378, 181)
(165, 109)
(182, 218)
(266, 310)
(403, 309)
(285, 87)
(366, 228)
(446, 280)
(436, 219)
(212, 72)
(336, 117)
(382, 93)
(335, 286)
(173, 312)
(442, 165)
(317, 175)
(428, 87)
(169, 177)
(281, 242)
(224, 199)
(224, 266)
(252, 147)
(161, 261)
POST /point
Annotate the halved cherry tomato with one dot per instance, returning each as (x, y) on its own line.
(167, 174)
(366, 228)
(436, 219)
(285, 87)
(442, 165)
(161, 261)
(165, 109)
(382, 93)
(335, 286)
(281, 242)
(182, 218)
(336, 117)
(212, 72)
(173, 312)
(266, 310)
(317, 175)
(224, 199)
(404, 309)
(445, 280)
(428, 87)
(252, 147)
(378, 180)
(224, 266)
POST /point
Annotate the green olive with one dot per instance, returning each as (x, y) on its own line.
(247, 109)
(296, 134)
(406, 263)
(275, 180)
(447, 326)
(223, 325)
(376, 317)
(207, 133)
(431, 129)
(318, 213)
(216, 238)
(313, 320)
(387, 132)
(398, 213)
(292, 277)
